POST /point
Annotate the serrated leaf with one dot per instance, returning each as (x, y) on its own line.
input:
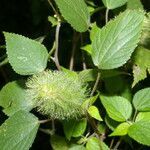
(13, 98)
(140, 131)
(143, 116)
(114, 44)
(140, 65)
(121, 130)
(26, 56)
(94, 112)
(141, 100)
(118, 108)
(59, 143)
(74, 128)
(76, 13)
(95, 144)
(112, 4)
(19, 131)
(134, 4)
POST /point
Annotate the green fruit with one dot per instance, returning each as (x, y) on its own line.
(57, 94)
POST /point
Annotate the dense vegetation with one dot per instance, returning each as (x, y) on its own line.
(75, 74)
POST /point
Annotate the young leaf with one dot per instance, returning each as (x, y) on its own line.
(95, 144)
(74, 128)
(140, 131)
(143, 116)
(19, 131)
(121, 130)
(141, 100)
(26, 56)
(58, 143)
(140, 65)
(13, 98)
(114, 43)
(76, 13)
(112, 4)
(94, 112)
(118, 108)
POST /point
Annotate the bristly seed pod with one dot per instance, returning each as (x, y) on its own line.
(57, 94)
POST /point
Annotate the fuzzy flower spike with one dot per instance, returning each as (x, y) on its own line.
(57, 94)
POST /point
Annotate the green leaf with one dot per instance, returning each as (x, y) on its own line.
(114, 43)
(143, 116)
(140, 131)
(112, 124)
(58, 143)
(134, 4)
(118, 108)
(26, 56)
(76, 147)
(87, 48)
(141, 100)
(19, 131)
(95, 144)
(121, 130)
(112, 4)
(13, 98)
(94, 31)
(76, 13)
(52, 20)
(94, 112)
(74, 128)
(140, 65)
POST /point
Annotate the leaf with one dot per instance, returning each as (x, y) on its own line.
(87, 48)
(94, 31)
(13, 98)
(121, 130)
(76, 147)
(112, 124)
(76, 13)
(94, 112)
(111, 4)
(19, 131)
(74, 128)
(141, 100)
(114, 43)
(118, 108)
(140, 65)
(134, 4)
(58, 143)
(140, 131)
(143, 116)
(26, 56)
(95, 144)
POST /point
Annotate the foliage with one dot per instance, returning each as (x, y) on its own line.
(99, 96)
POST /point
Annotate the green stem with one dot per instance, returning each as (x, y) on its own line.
(97, 9)
(96, 84)
(106, 15)
(4, 62)
(135, 114)
(57, 46)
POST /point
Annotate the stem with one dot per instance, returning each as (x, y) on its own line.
(4, 62)
(96, 84)
(83, 56)
(106, 15)
(117, 144)
(97, 9)
(74, 42)
(52, 50)
(135, 114)
(44, 121)
(111, 144)
(57, 46)
(57, 14)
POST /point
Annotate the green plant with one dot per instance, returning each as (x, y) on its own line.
(94, 105)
